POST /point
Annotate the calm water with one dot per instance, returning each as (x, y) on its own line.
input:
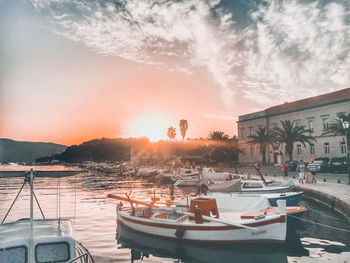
(83, 199)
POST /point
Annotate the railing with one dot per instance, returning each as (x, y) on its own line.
(83, 255)
(83, 258)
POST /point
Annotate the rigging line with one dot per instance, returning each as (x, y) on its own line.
(14, 201)
(312, 222)
(41, 211)
(75, 202)
(337, 219)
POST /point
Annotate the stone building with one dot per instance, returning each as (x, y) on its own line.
(315, 113)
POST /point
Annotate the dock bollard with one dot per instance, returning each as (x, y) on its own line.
(338, 181)
(324, 180)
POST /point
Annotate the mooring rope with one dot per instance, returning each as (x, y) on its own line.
(327, 226)
(14, 201)
(337, 219)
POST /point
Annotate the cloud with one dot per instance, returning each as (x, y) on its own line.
(290, 50)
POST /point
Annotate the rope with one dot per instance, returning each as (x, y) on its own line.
(312, 222)
(41, 211)
(14, 201)
(337, 219)
(75, 202)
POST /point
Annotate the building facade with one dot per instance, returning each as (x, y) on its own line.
(315, 113)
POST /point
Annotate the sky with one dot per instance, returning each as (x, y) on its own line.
(76, 70)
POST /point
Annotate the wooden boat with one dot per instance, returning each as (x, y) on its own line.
(204, 222)
(142, 245)
(39, 240)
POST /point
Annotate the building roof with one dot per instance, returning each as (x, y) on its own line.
(325, 99)
(320, 100)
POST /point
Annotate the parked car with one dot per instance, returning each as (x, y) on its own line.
(322, 165)
(292, 165)
(338, 165)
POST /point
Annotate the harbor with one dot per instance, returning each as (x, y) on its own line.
(321, 233)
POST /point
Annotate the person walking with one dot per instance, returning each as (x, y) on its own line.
(301, 170)
(312, 167)
(285, 169)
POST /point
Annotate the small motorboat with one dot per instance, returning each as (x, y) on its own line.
(206, 221)
(259, 186)
(39, 240)
(210, 174)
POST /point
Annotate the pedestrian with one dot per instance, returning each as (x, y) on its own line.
(285, 169)
(312, 167)
(301, 171)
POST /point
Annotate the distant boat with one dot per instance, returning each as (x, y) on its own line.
(39, 240)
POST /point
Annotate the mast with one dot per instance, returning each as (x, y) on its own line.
(31, 228)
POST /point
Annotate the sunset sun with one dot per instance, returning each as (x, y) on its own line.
(152, 124)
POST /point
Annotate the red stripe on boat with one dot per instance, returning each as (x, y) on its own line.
(281, 219)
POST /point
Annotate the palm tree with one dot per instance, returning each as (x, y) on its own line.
(337, 128)
(171, 132)
(262, 138)
(290, 133)
(218, 136)
(183, 128)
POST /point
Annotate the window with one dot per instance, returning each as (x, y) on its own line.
(251, 151)
(343, 147)
(252, 185)
(52, 252)
(14, 254)
(312, 148)
(242, 133)
(326, 148)
(297, 122)
(310, 125)
(325, 123)
(298, 149)
(250, 131)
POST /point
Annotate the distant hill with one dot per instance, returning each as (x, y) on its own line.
(18, 151)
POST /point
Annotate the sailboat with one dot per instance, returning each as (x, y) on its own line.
(39, 240)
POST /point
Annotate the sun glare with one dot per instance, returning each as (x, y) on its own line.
(152, 123)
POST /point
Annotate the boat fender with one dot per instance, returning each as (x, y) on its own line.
(180, 231)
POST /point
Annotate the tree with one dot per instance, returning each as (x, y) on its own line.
(337, 128)
(291, 133)
(262, 138)
(218, 136)
(183, 128)
(171, 132)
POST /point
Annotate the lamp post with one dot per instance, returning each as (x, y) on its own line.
(346, 127)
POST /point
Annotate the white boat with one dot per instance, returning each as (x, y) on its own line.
(210, 174)
(259, 186)
(39, 240)
(205, 222)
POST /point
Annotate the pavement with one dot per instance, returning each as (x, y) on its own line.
(331, 189)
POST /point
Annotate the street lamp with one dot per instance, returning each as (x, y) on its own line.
(346, 127)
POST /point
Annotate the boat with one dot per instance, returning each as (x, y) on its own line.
(142, 246)
(259, 186)
(292, 198)
(206, 221)
(39, 240)
(210, 174)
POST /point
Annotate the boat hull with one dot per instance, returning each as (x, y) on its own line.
(291, 199)
(272, 230)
